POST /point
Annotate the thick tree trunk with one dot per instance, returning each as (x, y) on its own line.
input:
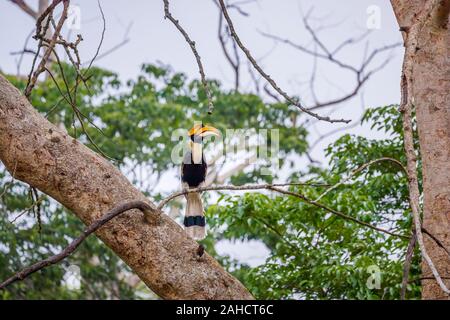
(426, 73)
(159, 251)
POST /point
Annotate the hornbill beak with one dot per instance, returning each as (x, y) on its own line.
(204, 131)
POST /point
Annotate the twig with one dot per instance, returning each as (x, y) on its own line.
(27, 9)
(330, 56)
(343, 128)
(191, 43)
(438, 242)
(407, 265)
(265, 75)
(149, 210)
(47, 25)
(275, 187)
(235, 65)
(144, 207)
(359, 169)
(124, 41)
(25, 50)
(51, 44)
(7, 184)
(101, 38)
(34, 204)
(338, 213)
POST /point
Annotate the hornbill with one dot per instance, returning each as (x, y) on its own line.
(193, 174)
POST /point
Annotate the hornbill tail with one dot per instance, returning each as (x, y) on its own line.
(194, 218)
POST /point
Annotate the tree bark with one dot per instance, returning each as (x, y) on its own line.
(426, 76)
(157, 249)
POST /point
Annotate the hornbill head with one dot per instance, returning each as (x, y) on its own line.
(200, 130)
(196, 135)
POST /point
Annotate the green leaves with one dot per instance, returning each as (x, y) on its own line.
(313, 253)
(316, 255)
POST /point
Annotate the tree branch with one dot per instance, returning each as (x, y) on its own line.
(88, 185)
(361, 168)
(191, 43)
(329, 56)
(41, 67)
(407, 265)
(275, 187)
(93, 227)
(26, 8)
(406, 105)
(265, 75)
(150, 211)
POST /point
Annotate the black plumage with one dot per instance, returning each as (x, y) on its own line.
(193, 173)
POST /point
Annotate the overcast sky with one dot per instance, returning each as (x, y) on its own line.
(153, 39)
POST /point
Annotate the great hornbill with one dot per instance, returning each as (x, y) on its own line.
(193, 174)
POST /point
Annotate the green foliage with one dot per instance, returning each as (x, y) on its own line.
(136, 119)
(313, 254)
(317, 255)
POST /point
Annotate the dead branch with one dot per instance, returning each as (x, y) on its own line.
(330, 56)
(51, 44)
(407, 265)
(191, 43)
(265, 75)
(234, 63)
(223, 31)
(337, 130)
(122, 43)
(97, 224)
(26, 8)
(436, 240)
(275, 187)
(148, 210)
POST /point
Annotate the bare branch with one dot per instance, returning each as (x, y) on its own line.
(124, 41)
(148, 211)
(330, 56)
(350, 41)
(343, 128)
(191, 43)
(33, 205)
(437, 241)
(101, 38)
(275, 187)
(359, 169)
(41, 67)
(265, 75)
(407, 265)
(235, 64)
(26, 8)
(93, 227)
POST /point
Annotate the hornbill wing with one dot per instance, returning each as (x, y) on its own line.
(193, 175)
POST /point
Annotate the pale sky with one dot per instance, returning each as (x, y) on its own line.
(153, 39)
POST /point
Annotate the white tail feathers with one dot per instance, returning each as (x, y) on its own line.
(195, 226)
